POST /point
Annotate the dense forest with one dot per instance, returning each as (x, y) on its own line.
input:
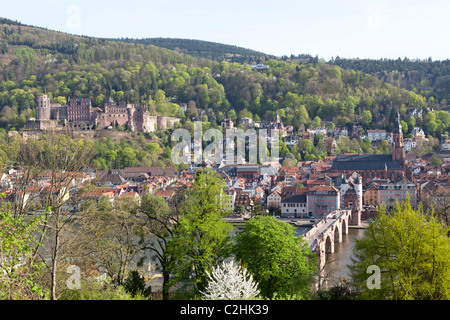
(303, 90)
(204, 49)
(428, 78)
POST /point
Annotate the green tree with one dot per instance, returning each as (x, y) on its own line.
(18, 267)
(404, 126)
(281, 262)
(435, 161)
(367, 117)
(256, 208)
(305, 146)
(135, 284)
(201, 240)
(59, 155)
(126, 157)
(301, 116)
(411, 122)
(317, 121)
(99, 100)
(384, 147)
(410, 248)
(232, 114)
(111, 237)
(283, 149)
(162, 220)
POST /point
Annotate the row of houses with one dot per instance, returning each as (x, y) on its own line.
(309, 189)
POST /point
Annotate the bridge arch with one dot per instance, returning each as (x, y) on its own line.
(329, 244)
(337, 234)
(344, 226)
(330, 230)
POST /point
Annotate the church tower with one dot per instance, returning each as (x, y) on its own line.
(398, 150)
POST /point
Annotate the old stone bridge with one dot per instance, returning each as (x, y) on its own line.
(328, 231)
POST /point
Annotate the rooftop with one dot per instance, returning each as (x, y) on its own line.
(365, 162)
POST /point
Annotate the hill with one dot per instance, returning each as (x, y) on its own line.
(299, 89)
(205, 49)
(427, 77)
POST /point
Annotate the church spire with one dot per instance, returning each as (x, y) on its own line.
(398, 150)
(398, 124)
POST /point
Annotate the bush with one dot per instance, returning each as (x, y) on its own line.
(92, 289)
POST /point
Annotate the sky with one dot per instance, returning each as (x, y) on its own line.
(372, 29)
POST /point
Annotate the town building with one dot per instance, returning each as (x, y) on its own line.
(445, 146)
(376, 135)
(274, 200)
(371, 194)
(322, 200)
(227, 124)
(294, 206)
(417, 132)
(409, 144)
(259, 66)
(389, 192)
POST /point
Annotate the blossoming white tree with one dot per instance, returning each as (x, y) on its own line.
(230, 282)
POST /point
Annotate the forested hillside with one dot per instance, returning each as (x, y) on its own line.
(205, 49)
(426, 77)
(300, 88)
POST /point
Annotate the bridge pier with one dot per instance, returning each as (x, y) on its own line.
(355, 219)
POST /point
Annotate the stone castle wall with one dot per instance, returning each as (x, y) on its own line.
(34, 124)
(136, 117)
(167, 122)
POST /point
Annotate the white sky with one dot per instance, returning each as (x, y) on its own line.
(347, 28)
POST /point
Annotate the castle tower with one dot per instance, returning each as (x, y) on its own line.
(43, 108)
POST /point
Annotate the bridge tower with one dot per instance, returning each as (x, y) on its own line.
(357, 209)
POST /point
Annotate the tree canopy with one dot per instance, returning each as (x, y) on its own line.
(410, 249)
(202, 237)
(281, 262)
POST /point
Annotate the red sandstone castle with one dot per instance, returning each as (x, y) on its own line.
(80, 115)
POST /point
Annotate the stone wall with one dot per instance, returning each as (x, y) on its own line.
(167, 122)
(115, 116)
(33, 124)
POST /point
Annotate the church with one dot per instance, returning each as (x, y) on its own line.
(381, 166)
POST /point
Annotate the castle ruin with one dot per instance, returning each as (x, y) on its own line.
(80, 115)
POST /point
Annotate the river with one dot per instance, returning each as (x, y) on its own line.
(336, 266)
